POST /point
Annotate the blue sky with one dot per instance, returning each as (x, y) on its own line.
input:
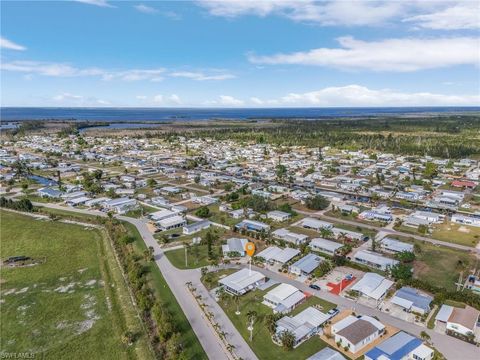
(240, 53)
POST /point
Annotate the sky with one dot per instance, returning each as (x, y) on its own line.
(276, 53)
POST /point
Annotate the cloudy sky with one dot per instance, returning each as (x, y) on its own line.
(240, 53)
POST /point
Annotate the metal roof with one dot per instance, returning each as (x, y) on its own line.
(373, 285)
(395, 348)
(308, 263)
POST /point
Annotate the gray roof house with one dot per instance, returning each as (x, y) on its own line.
(234, 245)
(306, 264)
(412, 300)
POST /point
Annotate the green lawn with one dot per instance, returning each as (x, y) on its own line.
(197, 256)
(74, 304)
(193, 349)
(262, 343)
(456, 233)
(440, 265)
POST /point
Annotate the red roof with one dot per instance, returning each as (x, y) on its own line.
(463, 183)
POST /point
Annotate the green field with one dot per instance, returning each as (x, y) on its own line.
(456, 233)
(194, 259)
(441, 266)
(74, 304)
(262, 343)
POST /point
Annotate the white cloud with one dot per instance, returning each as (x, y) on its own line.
(7, 44)
(145, 9)
(343, 12)
(174, 99)
(158, 99)
(357, 95)
(199, 76)
(101, 3)
(407, 54)
(66, 70)
(464, 15)
(69, 99)
(161, 100)
(230, 101)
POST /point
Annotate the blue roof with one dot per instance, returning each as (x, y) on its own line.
(396, 347)
(418, 299)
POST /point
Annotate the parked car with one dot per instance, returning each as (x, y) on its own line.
(333, 312)
(314, 287)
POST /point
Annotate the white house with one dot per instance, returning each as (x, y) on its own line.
(290, 236)
(242, 281)
(373, 286)
(278, 215)
(315, 224)
(196, 227)
(324, 245)
(120, 205)
(395, 246)
(172, 222)
(374, 260)
(357, 332)
(462, 321)
(234, 246)
(283, 298)
(275, 254)
(401, 346)
(306, 264)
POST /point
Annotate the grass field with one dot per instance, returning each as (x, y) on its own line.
(440, 265)
(177, 257)
(193, 349)
(456, 233)
(74, 304)
(262, 343)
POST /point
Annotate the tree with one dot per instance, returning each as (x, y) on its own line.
(424, 336)
(271, 322)
(151, 183)
(431, 170)
(281, 172)
(251, 318)
(203, 212)
(317, 202)
(406, 256)
(287, 339)
(401, 271)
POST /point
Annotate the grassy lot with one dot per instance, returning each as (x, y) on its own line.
(70, 215)
(457, 233)
(219, 216)
(188, 338)
(440, 265)
(143, 210)
(73, 305)
(262, 344)
(431, 321)
(197, 256)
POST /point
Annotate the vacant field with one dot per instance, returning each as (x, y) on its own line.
(457, 233)
(72, 305)
(262, 343)
(441, 266)
(197, 256)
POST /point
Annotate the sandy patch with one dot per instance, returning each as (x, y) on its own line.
(66, 288)
(463, 229)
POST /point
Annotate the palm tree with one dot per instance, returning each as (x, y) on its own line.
(251, 317)
(236, 300)
(186, 245)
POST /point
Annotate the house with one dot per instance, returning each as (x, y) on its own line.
(303, 325)
(464, 184)
(306, 264)
(120, 205)
(395, 246)
(401, 346)
(430, 217)
(315, 224)
(289, 236)
(357, 332)
(242, 281)
(278, 216)
(352, 235)
(459, 321)
(283, 298)
(234, 247)
(252, 225)
(162, 214)
(172, 222)
(79, 200)
(274, 254)
(48, 192)
(373, 286)
(205, 200)
(466, 220)
(196, 227)
(374, 215)
(237, 214)
(327, 354)
(324, 245)
(374, 260)
(412, 300)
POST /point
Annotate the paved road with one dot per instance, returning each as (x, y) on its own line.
(176, 280)
(451, 348)
(320, 215)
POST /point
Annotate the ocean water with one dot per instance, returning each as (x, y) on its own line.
(178, 114)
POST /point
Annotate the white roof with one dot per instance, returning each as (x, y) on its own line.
(396, 245)
(242, 279)
(407, 304)
(444, 313)
(281, 292)
(177, 219)
(78, 200)
(325, 244)
(280, 255)
(119, 201)
(162, 214)
(375, 258)
(315, 223)
(373, 285)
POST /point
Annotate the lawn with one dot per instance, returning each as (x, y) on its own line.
(74, 304)
(193, 349)
(440, 265)
(262, 343)
(197, 256)
(456, 233)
